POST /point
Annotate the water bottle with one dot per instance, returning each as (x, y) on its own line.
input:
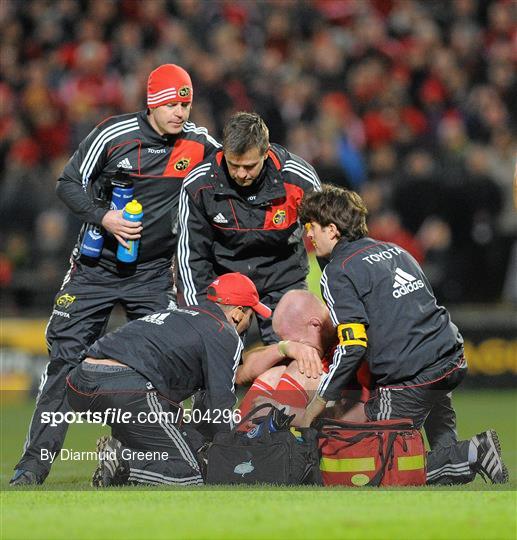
(122, 193)
(297, 435)
(93, 241)
(132, 212)
(257, 430)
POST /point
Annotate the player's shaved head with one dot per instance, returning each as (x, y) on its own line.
(295, 311)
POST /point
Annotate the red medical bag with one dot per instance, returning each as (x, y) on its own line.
(383, 453)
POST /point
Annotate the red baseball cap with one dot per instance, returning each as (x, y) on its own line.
(235, 289)
(168, 83)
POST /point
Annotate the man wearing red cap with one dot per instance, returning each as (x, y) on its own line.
(239, 212)
(154, 150)
(147, 367)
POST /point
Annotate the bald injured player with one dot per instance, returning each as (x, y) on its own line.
(288, 373)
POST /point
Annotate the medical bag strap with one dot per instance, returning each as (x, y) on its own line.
(377, 479)
(351, 440)
(402, 424)
(254, 411)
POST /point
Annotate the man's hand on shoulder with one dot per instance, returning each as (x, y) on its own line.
(306, 357)
(121, 228)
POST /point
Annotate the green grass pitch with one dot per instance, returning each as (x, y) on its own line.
(65, 507)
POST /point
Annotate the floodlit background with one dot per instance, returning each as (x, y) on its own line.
(411, 103)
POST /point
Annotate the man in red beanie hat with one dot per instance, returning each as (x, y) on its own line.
(149, 366)
(169, 98)
(148, 154)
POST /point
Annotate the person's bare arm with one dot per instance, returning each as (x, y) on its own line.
(259, 360)
(256, 362)
(314, 409)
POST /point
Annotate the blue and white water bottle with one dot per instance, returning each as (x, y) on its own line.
(93, 238)
(132, 212)
(256, 431)
(121, 195)
(93, 241)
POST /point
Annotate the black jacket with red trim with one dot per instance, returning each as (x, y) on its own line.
(255, 231)
(157, 165)
(180, 351)
(380, 286)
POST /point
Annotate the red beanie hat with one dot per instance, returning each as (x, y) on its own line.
(168, 83)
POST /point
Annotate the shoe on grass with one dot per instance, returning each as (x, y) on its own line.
(489, 463)
(111, 470)
(23, 477)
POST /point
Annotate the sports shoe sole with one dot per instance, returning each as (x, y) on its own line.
(97, 477)
(493, 439)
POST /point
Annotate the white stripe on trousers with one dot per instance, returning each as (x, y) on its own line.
(455, 469)
(135, 478)
(156, 475)
(43, 381)
(384, 404)
(66, 279)
(172, 432)
(449, 472)
(144, 476)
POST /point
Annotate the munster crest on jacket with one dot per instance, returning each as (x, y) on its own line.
(279, 217)
(182, 164)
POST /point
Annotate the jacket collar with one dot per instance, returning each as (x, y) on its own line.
(272, 186)
(151, 135)
(341, 245)
(213, 310)
(344, 246)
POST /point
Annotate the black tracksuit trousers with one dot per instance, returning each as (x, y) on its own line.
(426, 399)
(81, 312)
(151, 424)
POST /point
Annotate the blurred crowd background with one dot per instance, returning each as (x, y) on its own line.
(411, 103)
